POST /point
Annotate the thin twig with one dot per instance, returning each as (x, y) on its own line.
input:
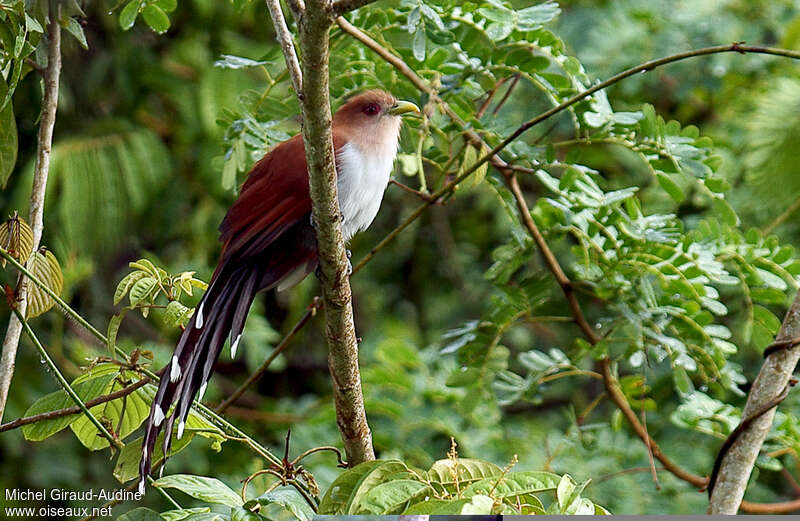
(41, 170)
(287, 45)
(423, 196)
(489, 96)
(74, 409)
(310, 312)
(506, 95)
(782, 217)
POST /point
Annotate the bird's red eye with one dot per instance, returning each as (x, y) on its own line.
(370, 109)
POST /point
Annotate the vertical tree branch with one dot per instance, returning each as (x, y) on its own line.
(314, 25)
(771, 381)
(41, 170)
(286, 43)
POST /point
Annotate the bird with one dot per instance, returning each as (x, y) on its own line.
(268, 241)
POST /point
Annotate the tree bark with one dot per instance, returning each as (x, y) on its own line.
(737, 463)
(41, 170)
(314, 23)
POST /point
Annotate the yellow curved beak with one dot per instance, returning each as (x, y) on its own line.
(403, 107)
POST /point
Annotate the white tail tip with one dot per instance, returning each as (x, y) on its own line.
(199, 320)
(141, 486)
(158, 416)
(181, 425)
(202, 391)
(235, 346)
(175, 370)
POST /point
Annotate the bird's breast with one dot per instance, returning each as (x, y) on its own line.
(361, 184)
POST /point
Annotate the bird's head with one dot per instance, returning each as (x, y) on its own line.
(373, 117)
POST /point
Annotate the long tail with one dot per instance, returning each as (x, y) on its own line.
(222, 310)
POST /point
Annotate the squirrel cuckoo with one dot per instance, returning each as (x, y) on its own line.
(269, 242)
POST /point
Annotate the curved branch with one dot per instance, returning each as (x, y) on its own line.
(773, 379)
(287, 44)
(41, 170)
(125, 391)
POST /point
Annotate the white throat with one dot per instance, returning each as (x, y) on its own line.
(362, 181)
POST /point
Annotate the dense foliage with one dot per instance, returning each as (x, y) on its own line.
(670, 201)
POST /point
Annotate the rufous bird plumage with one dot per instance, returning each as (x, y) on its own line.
(269, 242)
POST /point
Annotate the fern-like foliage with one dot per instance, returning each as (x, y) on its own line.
(99, 181)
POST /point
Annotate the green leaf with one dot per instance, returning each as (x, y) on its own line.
(204, 488)
(126, 284)
(538, 14)
(86, 390)
(127, 466)
(140, 514)
(418, 46)
(156, 18)
(515, 484)
(176, 313)
(167, 5)
(467, 471)
(183, 513)
(390, 498)
(229, 61)
(671, 187)
(142, 290)
(242, 514)
(724, 211)
(437, 507)
(47, 269)
(288, 498)
(8, 138)
(129, 13)
(75, 29)
(136, 408)
(16, 237)
(346, 492)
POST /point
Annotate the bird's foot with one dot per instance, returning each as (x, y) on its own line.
(349, 264)
(311, 220)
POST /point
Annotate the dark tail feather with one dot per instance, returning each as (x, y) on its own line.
(222, 309)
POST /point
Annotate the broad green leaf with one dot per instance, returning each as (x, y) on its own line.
(46, 268)
(16, 238)
(229, 61)
(671, 187)
(126, 284)
(156, 18)
(242, 514)
(167, 5)
(724, 211)
(129, 13)
(183, 513)
(288, 498)
(346, 492)
(55, 401)
(140, 514)
(136, 408)
(176, 313)
(75, 29)
(9, 145)
(515, 484)
(204, 488)
(418, 46)
(437, 507)
(142, 290)
(390, 498)
(127, 466)
(466, 471)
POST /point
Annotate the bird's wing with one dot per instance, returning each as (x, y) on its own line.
(273, 199)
